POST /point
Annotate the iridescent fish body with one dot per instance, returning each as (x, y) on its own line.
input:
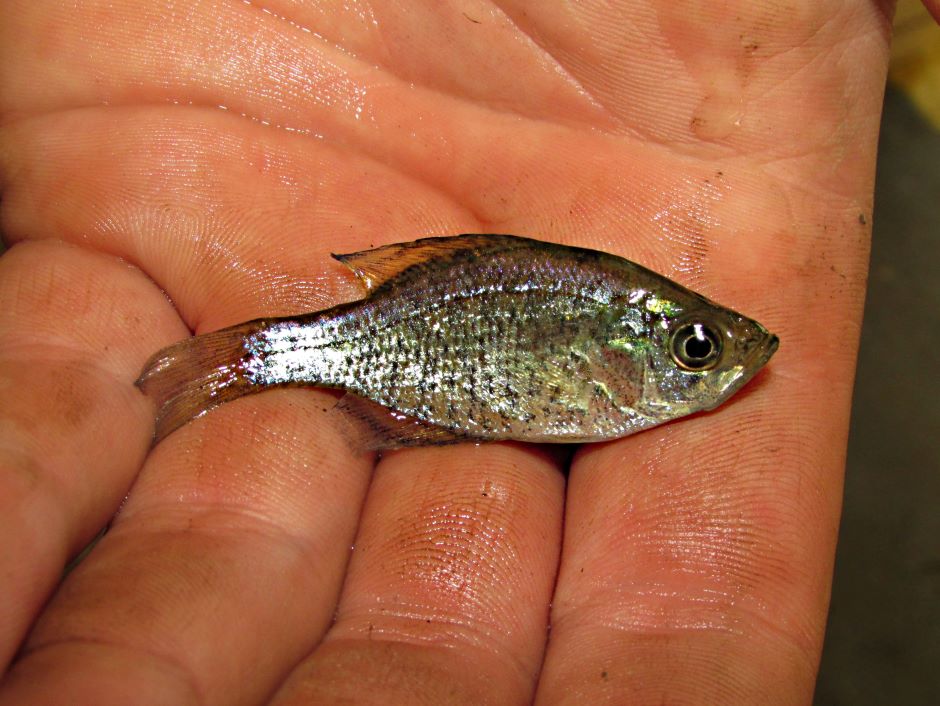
(482, 337)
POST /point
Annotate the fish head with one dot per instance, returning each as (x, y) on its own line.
(699, 355)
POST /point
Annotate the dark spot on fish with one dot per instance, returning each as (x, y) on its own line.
(862, 220)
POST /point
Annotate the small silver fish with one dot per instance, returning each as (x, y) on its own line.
(481, 337)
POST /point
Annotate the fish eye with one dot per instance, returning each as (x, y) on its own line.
(695, 346)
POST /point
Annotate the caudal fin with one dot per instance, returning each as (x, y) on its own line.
(191, 377)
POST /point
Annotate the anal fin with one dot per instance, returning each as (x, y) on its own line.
(373, 427)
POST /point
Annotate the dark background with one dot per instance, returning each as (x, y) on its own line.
(883, 640)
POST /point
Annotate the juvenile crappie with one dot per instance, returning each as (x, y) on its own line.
(482, 337)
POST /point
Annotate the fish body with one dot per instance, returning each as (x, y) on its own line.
(482, 337)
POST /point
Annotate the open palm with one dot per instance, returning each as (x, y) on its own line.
(171, 167)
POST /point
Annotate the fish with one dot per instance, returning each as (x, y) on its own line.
(480, 337)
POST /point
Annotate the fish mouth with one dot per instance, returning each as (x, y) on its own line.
(763, 353)
(756, 360)
(752, 364)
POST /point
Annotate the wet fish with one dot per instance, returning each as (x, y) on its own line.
(481, 337)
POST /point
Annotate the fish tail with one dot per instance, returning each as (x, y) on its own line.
(191, 377)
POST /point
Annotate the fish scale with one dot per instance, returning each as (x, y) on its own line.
(504, 387)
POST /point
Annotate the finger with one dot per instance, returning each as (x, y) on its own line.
(447, 595)
(697, 557)
(224, 215)
(226, 560)
(700, 574)
(75, 327)
(218, 543)
(255, 463)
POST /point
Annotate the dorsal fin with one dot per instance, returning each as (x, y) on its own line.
(377, 266)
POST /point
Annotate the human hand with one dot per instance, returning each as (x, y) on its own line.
(730, 146)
